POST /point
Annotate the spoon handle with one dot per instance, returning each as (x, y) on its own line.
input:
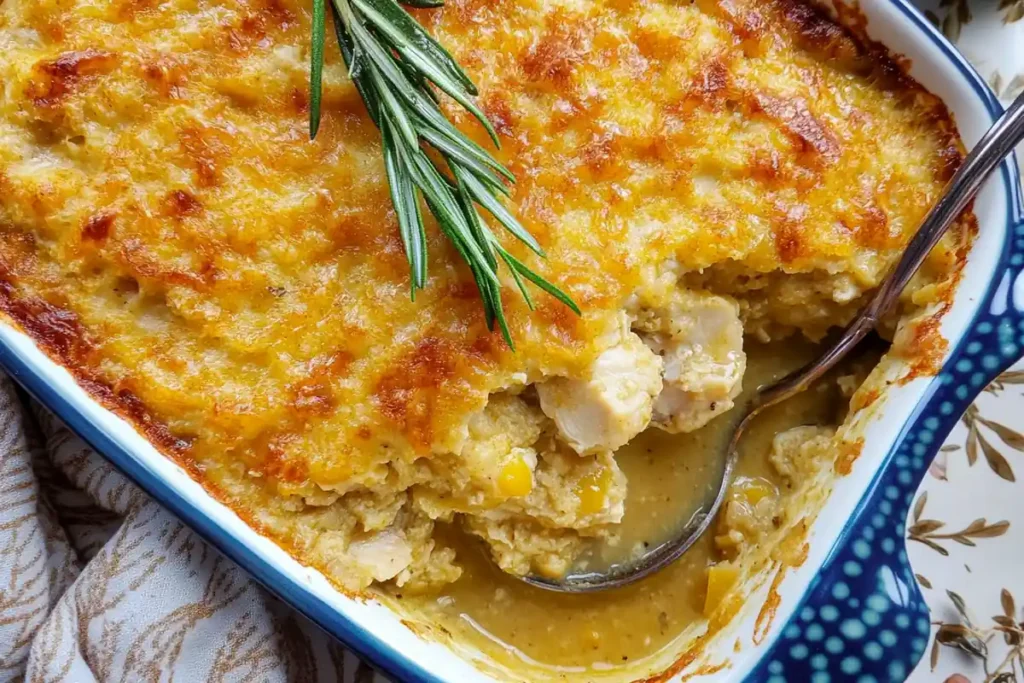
(997, 143)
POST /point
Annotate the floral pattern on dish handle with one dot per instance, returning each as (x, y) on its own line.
(864, 617)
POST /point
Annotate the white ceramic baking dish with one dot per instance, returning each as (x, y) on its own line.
(852, 611)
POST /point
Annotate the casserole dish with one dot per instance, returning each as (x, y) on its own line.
(365, 626)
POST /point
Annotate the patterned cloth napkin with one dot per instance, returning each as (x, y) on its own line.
(99, 583)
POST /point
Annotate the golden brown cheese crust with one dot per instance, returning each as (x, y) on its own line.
(169, 232)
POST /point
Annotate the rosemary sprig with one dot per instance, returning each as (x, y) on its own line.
(396, 67)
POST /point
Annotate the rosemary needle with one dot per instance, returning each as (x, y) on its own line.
(398, 67)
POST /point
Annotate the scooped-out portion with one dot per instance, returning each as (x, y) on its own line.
(788, 449)
(543, 477)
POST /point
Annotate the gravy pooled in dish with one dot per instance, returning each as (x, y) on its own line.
(717, 184)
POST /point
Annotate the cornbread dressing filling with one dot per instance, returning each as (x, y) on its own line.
(706, 178)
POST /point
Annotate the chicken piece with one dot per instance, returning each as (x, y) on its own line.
(699, 337)
(383, 556)
(605, 410)
(357, 562)
(404, 552)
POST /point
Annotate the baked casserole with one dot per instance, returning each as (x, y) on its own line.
(717, 184)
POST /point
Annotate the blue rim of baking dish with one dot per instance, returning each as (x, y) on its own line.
(793, 655)
(863, 617)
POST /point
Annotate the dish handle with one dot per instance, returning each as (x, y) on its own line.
(864, 617)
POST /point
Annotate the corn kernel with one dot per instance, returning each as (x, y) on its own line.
(515, 479)
(756, 489)
(721, 577)
(592, 491)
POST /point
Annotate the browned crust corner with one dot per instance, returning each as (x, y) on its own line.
(58, 333)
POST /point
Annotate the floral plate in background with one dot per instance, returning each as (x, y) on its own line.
(966, 529)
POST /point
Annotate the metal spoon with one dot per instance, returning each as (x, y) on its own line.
(997, 143)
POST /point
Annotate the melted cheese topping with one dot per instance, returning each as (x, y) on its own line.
(169, 232)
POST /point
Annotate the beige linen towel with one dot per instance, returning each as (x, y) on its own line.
(99, 583)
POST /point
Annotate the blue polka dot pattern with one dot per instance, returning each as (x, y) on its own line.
(850, 665)
(863, 618)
